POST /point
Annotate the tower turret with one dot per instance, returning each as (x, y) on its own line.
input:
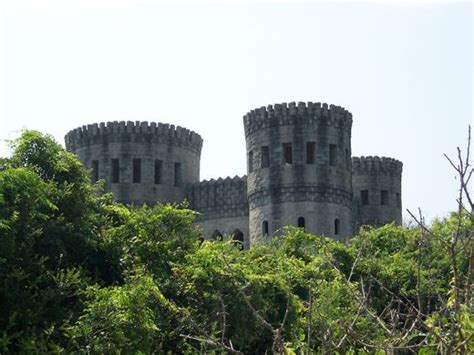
(140, 162)
(299, 169)
(377, 186)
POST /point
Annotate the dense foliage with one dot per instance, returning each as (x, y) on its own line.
(80, 273)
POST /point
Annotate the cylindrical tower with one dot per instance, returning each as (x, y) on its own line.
(140, 162)
(299, 169)
(377, 186)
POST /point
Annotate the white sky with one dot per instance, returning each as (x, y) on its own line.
(404, 69)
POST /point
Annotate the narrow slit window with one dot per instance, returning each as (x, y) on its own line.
(310, 152)
(177, 174)
(364, 197)
(115, 171)
(399, 200)
(301, 222)
(348, 158)
(337, 226)
(137, 171)
(158, 171)
(332, 154)
(250, 162)
(265, 228)
(384, 197)
(95, 170)
(265, 163)
(287, 153)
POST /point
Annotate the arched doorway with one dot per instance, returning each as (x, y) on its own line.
(238, 238)
(265, 228)
(301, 222)
(216, 235)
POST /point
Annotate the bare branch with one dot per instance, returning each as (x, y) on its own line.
(224, 319)
(451, 162)
(310, 321)
(212, 343)
(359, 252)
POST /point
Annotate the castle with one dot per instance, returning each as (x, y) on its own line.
(299, 172)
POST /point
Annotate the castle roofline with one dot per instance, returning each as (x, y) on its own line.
(117, 131)
(374, 164)
(292, 113)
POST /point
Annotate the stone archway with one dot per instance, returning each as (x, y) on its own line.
(238, 238)
(216, 235)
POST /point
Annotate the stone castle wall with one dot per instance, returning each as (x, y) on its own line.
(299, 172)
(222, 205)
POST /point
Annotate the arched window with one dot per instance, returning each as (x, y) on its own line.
(238, 237)
(216, 235)
(301, 222)
(265, 228)
(337, 226)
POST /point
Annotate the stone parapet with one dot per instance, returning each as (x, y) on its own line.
(292, 113)
(133, 131)
(376, 165)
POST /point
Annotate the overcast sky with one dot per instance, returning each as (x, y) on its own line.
(404, 69)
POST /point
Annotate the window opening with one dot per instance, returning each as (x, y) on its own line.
(95, 170)
(265, 163)
(137, 171)
(177, 174)
(287, 153)
(115, 171)
(238, 237)
(250, 162)
(337, 226)
(301, 222)
(332, 154)
(216, 235)
(310, 152)
(265, 228)
(364, 196)
(158, 171)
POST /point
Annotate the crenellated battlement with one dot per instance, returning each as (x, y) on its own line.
(222, 197)
(376, 165)
(292, 113)
(228, 181)
(133, 131)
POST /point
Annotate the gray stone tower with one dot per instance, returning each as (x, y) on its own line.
(140, 162)
(377, 184)
(299, 169)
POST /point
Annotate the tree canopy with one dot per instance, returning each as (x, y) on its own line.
(81, 273)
